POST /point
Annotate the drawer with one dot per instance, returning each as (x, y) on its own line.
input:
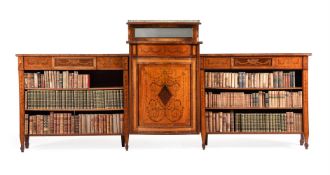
(164, 50)
(252, 62)
(217, 62)
(74, 63)
(288, 62)
(106, 63)
(37, 63)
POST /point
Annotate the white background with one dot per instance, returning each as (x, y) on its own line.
(231, 26)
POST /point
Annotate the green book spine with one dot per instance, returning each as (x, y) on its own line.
(26, 124)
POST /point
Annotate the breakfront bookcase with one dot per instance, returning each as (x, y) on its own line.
(162, 86)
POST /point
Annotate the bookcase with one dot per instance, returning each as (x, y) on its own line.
(162, 86)
(254, 94)
(73, 95)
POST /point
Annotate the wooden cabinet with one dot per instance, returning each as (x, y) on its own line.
(163, 72)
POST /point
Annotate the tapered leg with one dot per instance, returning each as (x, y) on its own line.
(122, 141)
(302, 140)
(305, 101)
(27, 143)
(206, 139)
(21, 102)
(22, 143)
(203, 135)
(306, 141)
(126, 142)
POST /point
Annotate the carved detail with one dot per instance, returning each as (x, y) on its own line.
(167, 50)
(242, 62)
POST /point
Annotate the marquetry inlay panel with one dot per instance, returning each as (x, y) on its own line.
(288, 62)
(112, 63)
(164, 95)
(220, 62)
(74, 63)
(37, 63)
(164, 50)
(251, 62)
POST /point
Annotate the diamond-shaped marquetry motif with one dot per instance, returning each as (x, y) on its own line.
(165, 95)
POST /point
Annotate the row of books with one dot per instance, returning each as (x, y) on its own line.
(276, 79)
(66, 123)
(271, 99)
(74, 99)
(253, 122)
(56, 79)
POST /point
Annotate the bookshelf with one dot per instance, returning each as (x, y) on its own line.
(254, 94)
(163, 86)
(73, 95)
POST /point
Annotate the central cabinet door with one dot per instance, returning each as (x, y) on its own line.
(165, 97)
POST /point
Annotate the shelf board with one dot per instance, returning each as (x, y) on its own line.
(74, 134)
(252, 108)
(252, 89)
(254, 132)
(71, 89)
(113, 109)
